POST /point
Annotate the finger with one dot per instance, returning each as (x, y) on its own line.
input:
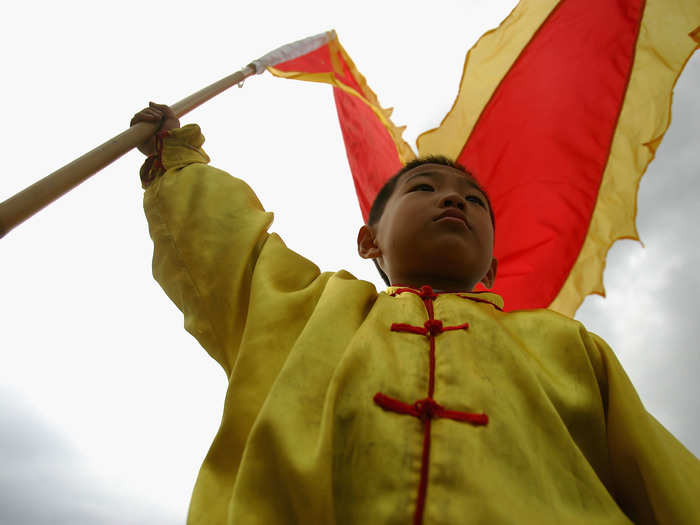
(142, 115)
(155, 114)
(145, 117)
(167, 110)
(149, 111)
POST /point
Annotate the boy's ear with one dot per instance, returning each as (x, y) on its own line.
(490, 276)
(366, 246)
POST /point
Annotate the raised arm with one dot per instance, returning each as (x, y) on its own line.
(208, 230)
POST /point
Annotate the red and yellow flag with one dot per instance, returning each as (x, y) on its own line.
(559, 112)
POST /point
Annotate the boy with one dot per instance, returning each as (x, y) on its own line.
(425, 403)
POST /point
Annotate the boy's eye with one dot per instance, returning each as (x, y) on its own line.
(422, 187)
(474, 198)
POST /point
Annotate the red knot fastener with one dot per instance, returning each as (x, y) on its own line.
(426, 292)
(427, 408)
(433, 327)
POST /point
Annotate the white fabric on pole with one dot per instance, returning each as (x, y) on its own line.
(291, 51)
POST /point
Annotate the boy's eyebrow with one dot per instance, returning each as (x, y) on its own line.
(432, 174)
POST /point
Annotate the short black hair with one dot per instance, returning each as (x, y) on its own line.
(377, 209)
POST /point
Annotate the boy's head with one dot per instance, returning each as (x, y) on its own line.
(431, 224)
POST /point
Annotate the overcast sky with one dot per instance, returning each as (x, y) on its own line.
(107, 406)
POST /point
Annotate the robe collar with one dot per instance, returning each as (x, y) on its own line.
(482, 297)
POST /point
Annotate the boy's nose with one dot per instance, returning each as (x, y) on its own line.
(453, 200)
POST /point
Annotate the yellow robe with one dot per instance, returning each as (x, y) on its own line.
(302, 439)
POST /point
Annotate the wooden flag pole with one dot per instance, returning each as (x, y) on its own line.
(29, 201)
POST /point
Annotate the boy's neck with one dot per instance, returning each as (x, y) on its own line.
(437, 286)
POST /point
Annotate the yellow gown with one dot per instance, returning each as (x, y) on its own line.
(348, 406)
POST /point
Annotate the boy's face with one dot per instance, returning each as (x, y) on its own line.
(436, 229)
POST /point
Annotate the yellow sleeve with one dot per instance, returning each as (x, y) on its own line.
(208, 229)
(656, 479)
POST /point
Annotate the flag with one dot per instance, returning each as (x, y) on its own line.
(373, 143)
(559, 111)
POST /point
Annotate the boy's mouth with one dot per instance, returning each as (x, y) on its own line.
(453, 215)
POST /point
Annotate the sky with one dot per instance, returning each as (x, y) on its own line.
(107, 406)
